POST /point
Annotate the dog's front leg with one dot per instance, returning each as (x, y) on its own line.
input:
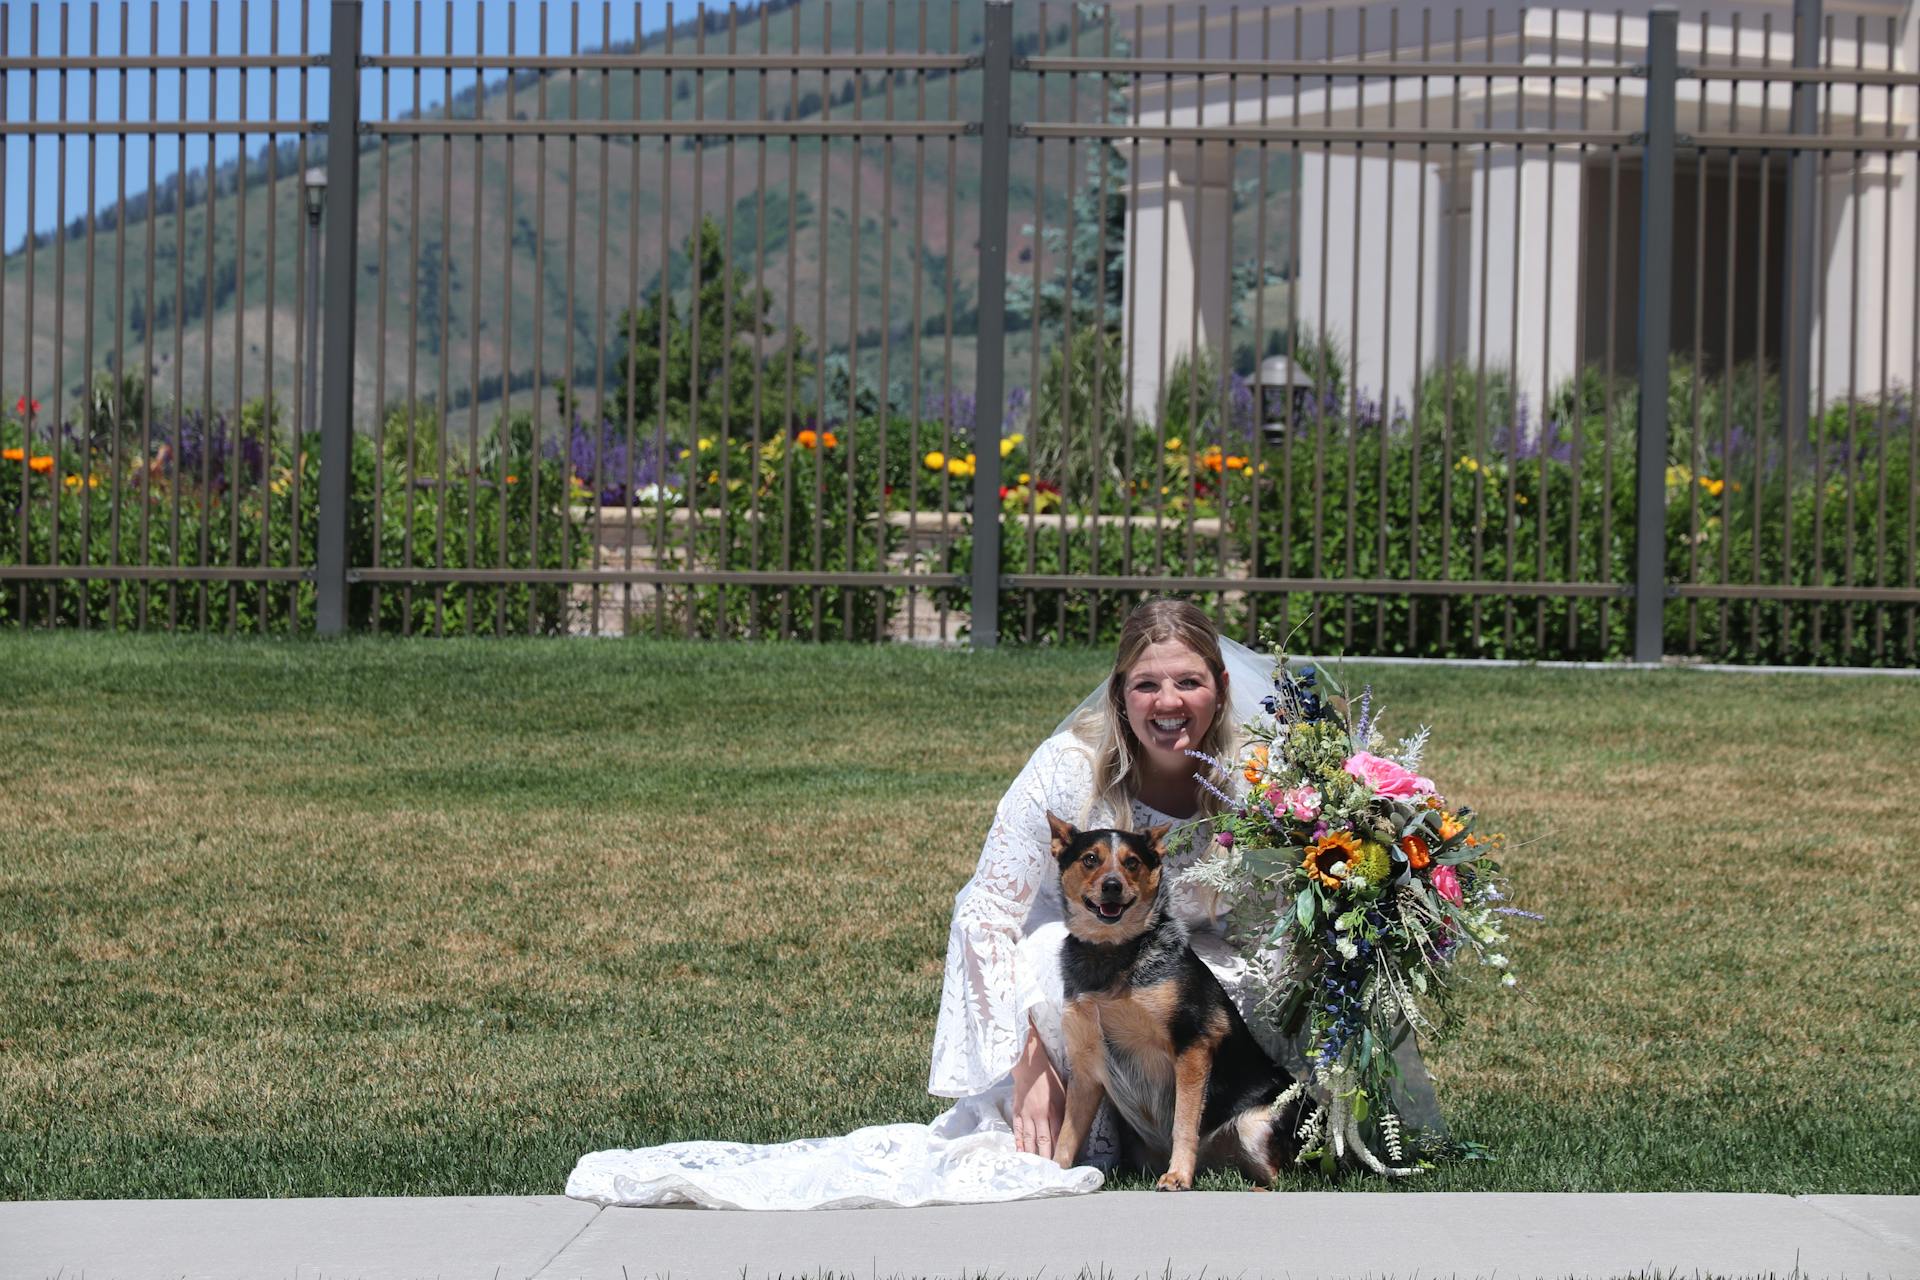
(1190, 1071)
(1086, 1068)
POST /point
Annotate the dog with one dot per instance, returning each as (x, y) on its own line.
(1148, 1025)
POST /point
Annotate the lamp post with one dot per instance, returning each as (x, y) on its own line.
(1277, 375)
(315, 190)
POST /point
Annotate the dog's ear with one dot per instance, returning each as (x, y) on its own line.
(1063, 834)
(1157, 837)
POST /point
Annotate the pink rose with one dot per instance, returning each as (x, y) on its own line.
(1302, 803)
(1387, 778)
(1446, 881)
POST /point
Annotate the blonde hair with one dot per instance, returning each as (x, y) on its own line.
(1103, 728)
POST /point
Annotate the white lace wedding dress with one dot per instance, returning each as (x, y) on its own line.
(1001, 969)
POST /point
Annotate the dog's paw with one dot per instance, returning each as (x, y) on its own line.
(1172, 1181)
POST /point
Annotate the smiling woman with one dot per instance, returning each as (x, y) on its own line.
(1120, 760)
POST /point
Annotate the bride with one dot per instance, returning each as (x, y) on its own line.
(1119, 760)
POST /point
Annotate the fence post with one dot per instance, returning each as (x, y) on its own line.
(990, 395)
(1656, 305)
(336, 397)
(1796, 343)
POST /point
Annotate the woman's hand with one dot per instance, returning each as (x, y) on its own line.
(1039, 1098)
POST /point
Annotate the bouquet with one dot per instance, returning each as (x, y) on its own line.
(1361, 889)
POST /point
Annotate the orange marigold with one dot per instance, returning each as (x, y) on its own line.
(1417, 851)
(807, 439)
(1323, 854)
(14, 455)
(1256, 765)
(43, 463)
(829, 439)
(1449, 826)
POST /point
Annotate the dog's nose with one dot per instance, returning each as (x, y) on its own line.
(1112, 887)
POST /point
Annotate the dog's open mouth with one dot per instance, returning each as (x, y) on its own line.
(1108, 911)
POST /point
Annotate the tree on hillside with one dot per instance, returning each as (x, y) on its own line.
(725, 374)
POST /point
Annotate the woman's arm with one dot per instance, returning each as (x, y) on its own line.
(982, 1032)
(1039, 1098)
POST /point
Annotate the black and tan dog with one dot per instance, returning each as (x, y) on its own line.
(1148, 1025)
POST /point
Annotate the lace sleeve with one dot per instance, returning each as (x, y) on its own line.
(979, 1033)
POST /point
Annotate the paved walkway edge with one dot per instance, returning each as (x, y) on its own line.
(1110, 1235)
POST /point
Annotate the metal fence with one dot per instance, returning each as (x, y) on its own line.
(1524, 333)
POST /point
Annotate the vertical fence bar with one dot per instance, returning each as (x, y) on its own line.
(1656, 287)
(336, 399)
(1796, 343)
(989, 375)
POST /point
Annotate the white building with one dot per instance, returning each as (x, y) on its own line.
(1406, 256)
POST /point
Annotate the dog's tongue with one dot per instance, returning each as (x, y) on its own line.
(1111, 910)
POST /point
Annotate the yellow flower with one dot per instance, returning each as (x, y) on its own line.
(971, 460)
(935, 460)
(1467, 463)
(1007, 446)
(705, 444)
(1713, 487)
(1173, 444)
(1025, 478)
(713, 477)
(1678, 475)
(1323, 855)
(686, 453)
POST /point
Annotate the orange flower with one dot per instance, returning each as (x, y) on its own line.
(1449, 826)
(41, 463)
(808, 439)
(1323, 854)
(1235, 462)
(513, 479)
(14, 455)
(1256, 765)
(829, 439)
(1418, 854)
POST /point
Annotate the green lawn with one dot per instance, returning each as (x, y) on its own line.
(435, 917)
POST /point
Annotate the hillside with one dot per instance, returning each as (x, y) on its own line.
(448, 285)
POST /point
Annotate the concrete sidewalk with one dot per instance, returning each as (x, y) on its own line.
(1117, 1235)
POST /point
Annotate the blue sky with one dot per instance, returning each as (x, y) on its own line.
(203, 26)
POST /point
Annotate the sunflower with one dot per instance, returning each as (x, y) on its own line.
(1337, 849)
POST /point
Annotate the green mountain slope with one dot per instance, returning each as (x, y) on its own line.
(507, 265)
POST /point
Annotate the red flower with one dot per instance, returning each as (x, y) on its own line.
(20, 406)
(1047, 486)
